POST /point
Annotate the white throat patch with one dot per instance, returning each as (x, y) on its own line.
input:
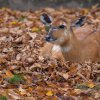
(56, 48)
(67, 49)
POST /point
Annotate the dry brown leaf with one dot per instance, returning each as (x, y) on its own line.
(33, 35)
(9, 74)
(13, 95)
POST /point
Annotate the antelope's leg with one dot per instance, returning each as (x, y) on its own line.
(46, 50)
(57, 53)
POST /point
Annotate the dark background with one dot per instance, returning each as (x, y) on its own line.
(35, 4)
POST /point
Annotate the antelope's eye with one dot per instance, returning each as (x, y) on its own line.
(61, 26)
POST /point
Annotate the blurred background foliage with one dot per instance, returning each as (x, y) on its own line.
(34, 4)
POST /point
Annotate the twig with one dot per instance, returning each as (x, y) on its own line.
(82, 76)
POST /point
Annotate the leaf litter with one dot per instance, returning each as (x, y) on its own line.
(25, 75)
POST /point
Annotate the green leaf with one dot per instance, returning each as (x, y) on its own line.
(81, 86)
(97, 87)
(3, 97)
(15, 79)
(21, 18)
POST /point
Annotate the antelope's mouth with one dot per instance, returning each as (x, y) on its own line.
(50, 39)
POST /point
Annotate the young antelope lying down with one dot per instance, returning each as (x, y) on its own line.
(63, 43)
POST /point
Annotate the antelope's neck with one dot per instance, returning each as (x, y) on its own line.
(70, 45)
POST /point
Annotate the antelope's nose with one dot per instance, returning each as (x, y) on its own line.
(47, 38)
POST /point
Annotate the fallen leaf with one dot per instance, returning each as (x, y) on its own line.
(33, 35)
(14, 95)
(9, 74)
(49, 93)
(90, 84)
(35, 29)
(66, 76)
(22, 91)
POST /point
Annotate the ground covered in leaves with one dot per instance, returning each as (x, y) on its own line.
(25, 75)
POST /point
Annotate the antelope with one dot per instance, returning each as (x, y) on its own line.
(62, 40)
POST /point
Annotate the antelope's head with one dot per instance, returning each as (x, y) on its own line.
(59, 31)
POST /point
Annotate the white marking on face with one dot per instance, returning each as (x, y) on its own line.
(51, 39)
(61, 39)
(56, 48)
(65, 33)
(55, 29)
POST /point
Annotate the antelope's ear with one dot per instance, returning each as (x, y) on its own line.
(46, 19)
(79, 22)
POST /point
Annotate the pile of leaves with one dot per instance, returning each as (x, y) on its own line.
(25, 75)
